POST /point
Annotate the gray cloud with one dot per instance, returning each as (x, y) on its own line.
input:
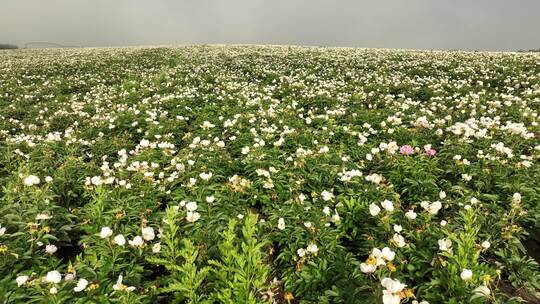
(419, 24)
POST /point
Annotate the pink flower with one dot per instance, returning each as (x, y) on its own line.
(406, 150)
(431, 152)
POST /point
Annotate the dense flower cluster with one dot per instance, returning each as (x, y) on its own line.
(375, 176)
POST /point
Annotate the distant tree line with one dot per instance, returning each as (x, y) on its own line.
(527, 51)
(35, 44)
(5, 46)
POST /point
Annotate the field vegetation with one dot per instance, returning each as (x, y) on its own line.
(250, 174)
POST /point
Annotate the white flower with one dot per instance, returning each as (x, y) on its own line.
(486, 244)
(156, 248)
(193, 216)
(432, 208)
(119, 240)
(53, 277)
(443, 223)
(96, 180)
(210, 199)
(144, 143)
(374, 209)
(21, 280)
(281, 224)
(307, 224)
(43, 216)
(207, 125)
(482, 290)
(268, 184)
(516, 197)
(148, 233)
(376, 253)
(31, 180)
(411, 215)
(301, 252)
(367, 268)
(324, 149)
(393, 286)
(398, 228)
(2, 230)
(326, 210)
(390, 298)
(137, 241)
(399, 240)
(105, 232)
(69, 277)
(53, 290)
(263, 172)
(388, 254)
(312, 248)
(466, 274)
(388, 205)
(466, 177)
(377, 256)
(435, 207)
(206, 176)
(327, 196)
(474, 200)
(48, 179)
(245, 150)
(191, 206)
(81, 285)
(50, 249)
(374, 178)
(442, 195)
(120, 286)
(445, 244)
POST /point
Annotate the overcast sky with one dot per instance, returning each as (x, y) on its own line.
(416, 24)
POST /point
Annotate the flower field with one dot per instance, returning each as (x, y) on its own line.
(250, 174)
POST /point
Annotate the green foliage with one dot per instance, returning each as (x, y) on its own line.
(241, 272)
(251, 174)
